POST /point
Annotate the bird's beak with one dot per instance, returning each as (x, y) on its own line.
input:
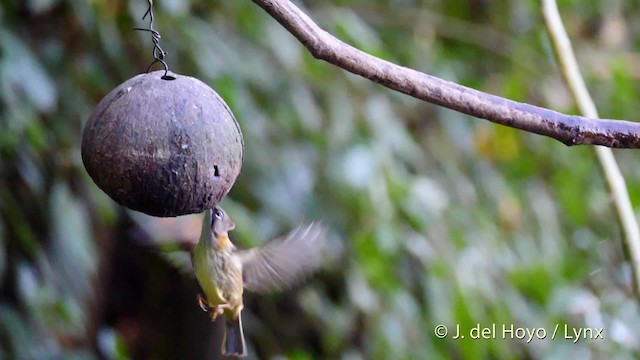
(206, 234)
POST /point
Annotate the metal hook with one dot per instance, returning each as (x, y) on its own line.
(158, 53)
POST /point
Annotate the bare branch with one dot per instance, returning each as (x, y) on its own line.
(568, 129)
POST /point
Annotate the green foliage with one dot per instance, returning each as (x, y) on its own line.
(444, 219)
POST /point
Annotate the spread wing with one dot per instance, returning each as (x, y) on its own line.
(284, 261)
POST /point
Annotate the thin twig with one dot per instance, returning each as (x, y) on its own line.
(568, 129)
(615, 180)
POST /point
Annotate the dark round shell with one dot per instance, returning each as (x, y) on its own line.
(163, 147)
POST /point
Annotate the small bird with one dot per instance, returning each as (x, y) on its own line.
(223, 272)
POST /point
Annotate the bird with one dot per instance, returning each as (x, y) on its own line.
(223, 271)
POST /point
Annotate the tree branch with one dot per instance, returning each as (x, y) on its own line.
(568, 129)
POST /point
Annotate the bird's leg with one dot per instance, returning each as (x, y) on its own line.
(202, 303)
(214, 311)
(218, 310)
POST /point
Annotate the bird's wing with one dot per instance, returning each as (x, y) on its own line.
(284, 261)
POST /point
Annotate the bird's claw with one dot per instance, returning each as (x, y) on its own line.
(214, 311)
(218, 310)
(202, 303)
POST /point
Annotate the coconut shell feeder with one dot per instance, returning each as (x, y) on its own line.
(163, 147)
(162, 143)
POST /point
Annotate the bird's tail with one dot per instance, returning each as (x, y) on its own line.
(233, 342)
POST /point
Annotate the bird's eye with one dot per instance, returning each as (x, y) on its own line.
(219, 214)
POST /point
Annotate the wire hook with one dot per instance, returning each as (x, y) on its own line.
(158, 53)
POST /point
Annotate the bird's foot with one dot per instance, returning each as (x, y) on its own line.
(218, 310)
(202, 303)
(214, 311)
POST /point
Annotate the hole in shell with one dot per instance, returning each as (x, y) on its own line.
(216, 172)
(168, 77)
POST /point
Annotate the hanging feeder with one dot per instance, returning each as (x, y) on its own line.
(162, 143)
(163, 147)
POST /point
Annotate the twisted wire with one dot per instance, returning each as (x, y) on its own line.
(158, 53)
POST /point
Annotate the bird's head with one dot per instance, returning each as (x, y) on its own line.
(221, 223)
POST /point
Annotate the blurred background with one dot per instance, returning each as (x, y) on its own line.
(445, 219)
